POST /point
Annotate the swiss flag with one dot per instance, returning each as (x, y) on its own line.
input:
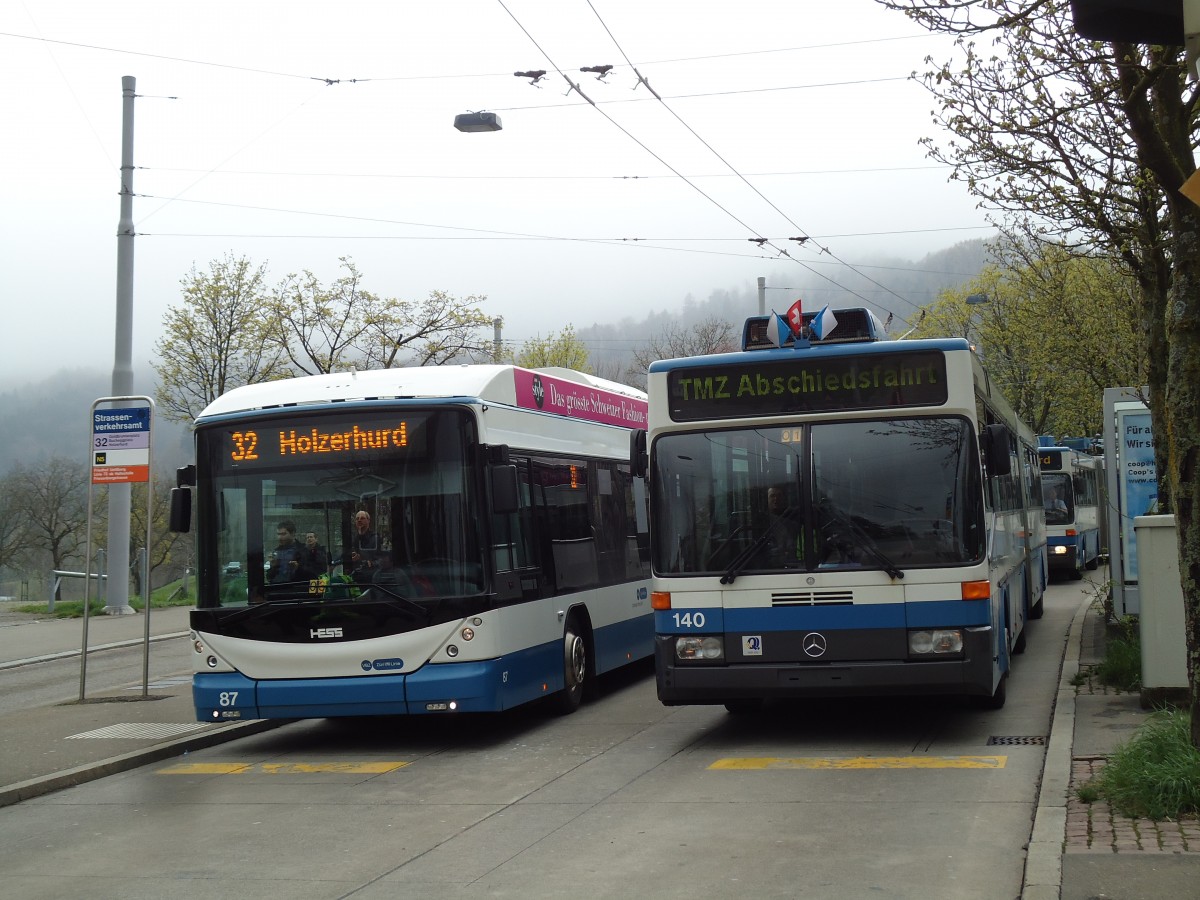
(795, 317)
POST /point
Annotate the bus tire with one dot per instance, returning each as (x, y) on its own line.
(744, 707)
(996, 701)
(1077, 574)
(1038, 609)
(575, 668)
(1092, 564)
(1020, 643)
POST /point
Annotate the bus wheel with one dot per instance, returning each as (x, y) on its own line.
(743, 707)
(575, 669)
(1092, 564)
(1038, 609)
(996, 701)
(1077, 574)
(1019, 646)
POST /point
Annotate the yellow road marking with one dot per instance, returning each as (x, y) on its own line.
(861, 762)
(372, 768)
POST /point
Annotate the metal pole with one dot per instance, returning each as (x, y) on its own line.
(762, 295)
(119, 495)
(496, 323)
(146, 557)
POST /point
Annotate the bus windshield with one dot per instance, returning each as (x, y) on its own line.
(885, 494)
(379, 504)
(1057, 498)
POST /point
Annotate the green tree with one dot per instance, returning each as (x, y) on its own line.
(1054, 331)
(562, 348)
(321, 329)
(317, 327)
(215, 339)
(1092, 142)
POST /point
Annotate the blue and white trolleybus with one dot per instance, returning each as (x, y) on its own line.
(845, 517)
(415, 541)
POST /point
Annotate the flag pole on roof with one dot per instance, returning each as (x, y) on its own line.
(823, 323)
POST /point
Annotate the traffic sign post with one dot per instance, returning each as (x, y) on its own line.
(121, 450)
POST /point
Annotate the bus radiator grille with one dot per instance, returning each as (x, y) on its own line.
(813, 598)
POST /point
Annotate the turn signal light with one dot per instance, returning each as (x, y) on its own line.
(976, 590)
(660, 599)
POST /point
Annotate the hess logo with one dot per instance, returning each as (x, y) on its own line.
(321, 633)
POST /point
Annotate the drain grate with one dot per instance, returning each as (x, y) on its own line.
(141, 730)
(1016, 740)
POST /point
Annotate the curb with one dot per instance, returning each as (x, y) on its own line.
(46, 784)
(67, 654)
(1043, 861)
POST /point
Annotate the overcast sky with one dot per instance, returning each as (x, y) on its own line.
(298, 133)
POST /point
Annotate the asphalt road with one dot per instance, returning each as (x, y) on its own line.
(852, 798)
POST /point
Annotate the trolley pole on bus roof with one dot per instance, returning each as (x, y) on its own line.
(119, 497)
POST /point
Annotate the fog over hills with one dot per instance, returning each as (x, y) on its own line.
(51, 417)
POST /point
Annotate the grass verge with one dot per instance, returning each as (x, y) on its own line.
(1156, 775)
(167, 595)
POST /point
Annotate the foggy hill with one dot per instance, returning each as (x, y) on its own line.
(52, 417)
(884, 285)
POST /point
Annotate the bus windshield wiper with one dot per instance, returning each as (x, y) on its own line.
(740, 561)
(864, 540)
(398, 599)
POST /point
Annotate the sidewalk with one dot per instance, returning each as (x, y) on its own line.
(1083, 851)
(50, 747)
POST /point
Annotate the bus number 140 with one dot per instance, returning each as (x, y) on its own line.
(689, 620)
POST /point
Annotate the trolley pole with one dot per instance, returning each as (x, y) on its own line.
(119, 496)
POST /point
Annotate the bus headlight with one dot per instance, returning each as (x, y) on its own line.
(707, 647)
(935, 642)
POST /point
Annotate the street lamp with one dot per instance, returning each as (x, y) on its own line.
(477, 121)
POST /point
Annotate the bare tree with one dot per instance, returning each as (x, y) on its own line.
(51, 501)
(710, 335)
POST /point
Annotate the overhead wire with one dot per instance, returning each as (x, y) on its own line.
(804, 235)
(575, 87)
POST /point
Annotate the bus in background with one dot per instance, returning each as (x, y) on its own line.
(415, 541)
(1071, 497)
(847, 517)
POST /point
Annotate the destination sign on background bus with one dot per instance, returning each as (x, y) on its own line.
(322, 440)
(1050, 459)
(807, 383)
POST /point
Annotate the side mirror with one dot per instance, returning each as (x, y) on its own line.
(995, 450)
(185, 476)
(506, 497)
(181, 510)
(639, 462)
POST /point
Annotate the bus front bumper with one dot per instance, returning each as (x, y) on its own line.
(683, 684)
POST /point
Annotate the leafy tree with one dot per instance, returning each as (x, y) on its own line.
(322, 329)
(1054, 333)
(562, 348)
(434, 331)
(318, 328)
(1092, 142)
(216, 339)
(710, 335)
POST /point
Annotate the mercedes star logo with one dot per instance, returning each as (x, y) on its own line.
(814, 644)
